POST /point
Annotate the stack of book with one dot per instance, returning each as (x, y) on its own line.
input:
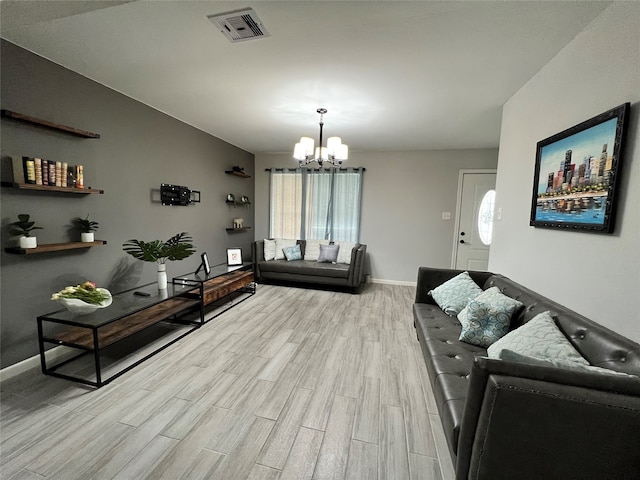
(39, 171)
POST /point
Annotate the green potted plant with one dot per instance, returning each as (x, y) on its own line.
(86, 227)
(178, 247)
(22, 228)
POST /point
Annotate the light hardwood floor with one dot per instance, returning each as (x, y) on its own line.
(290, 384)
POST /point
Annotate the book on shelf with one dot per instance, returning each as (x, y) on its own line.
(17, 167)
(45, 172)
(52, 173)
(29, 170)
(58, 174)
(38, 162)
(63, 174)
(79, 176)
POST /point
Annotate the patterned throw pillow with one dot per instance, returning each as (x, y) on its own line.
(453, 295)
(269, 249)
(312, 250)
(292, 253)
(344, 255)
(283, 243)
(328, 253)
(540, 338)
(493, 296)
(485, 323)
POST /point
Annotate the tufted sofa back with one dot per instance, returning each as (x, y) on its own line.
(599, 345)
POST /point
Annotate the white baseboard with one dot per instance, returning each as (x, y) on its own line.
(53, 355)
(392, 282)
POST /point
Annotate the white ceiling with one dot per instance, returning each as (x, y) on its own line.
(394, 75)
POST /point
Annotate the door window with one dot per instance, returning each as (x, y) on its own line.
(485, 217)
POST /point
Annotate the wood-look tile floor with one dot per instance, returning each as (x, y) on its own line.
(290, 384)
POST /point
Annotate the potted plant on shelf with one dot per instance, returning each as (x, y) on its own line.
(23, 228)
(86, 227)
(178, 247)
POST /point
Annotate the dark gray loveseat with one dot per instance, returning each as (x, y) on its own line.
(507, 420)
(349, 276)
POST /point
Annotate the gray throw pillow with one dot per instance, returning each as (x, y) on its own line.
(328, 253)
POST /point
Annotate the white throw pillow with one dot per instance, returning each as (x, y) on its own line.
(344, 254)
(282, 243)
(312, 250)
(454, 294)
(269, 249)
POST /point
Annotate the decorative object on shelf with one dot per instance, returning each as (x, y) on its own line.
(334, 153)
(238, 223)
(178, 247)
(234, 256)
(177, 195)
(231, 198)
(84, 298)
(23, 228)
(237, 169)
(577, 174)
(86, 227)
(244, 200)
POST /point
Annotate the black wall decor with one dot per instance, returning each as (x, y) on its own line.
(177, 195)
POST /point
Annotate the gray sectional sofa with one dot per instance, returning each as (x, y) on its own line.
(518, 420)
(306, 272)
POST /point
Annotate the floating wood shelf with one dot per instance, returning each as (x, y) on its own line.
(237, 174)
(47, 188)
(21, 117)
(243, 229)
(54, 247)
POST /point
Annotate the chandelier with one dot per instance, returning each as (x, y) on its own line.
(334, 153)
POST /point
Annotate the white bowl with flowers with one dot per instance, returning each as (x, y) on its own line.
(84, 298)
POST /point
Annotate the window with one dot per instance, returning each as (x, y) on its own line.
(316, 204)
(485, 217)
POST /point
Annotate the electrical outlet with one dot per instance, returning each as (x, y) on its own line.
(446, 215)
(499, 214)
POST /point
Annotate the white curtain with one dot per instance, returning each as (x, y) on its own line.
(325, 205)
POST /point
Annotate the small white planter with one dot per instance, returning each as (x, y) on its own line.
(28, 242)
(87, 237)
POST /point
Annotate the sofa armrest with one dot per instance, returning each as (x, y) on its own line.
(429, 278)
(531, 422)
(357, 265)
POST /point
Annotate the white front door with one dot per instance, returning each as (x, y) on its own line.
(474, 220)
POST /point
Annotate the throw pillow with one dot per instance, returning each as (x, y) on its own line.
(493, 296)
(292, 253)
(511, 356)
(312, 250)
(282, 243)
(453, 295)
(328, 253)
(269, 249)
(540, 338)
(485, 323)
(344, 255)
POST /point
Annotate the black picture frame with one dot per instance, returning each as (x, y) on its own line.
(234, 256)
(577, 174)
(204, 264)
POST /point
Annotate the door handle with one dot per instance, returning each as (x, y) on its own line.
(462, 241)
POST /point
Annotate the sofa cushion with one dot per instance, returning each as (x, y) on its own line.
(540, 338)
(328, 253)
(494, 296)
(511, 356)
(344, 254)
(282, 243)
(292, 253)
(303, 267)
(269, 249)
(453, 295)
(312, 250)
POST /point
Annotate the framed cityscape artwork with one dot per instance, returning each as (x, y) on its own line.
(577, 175)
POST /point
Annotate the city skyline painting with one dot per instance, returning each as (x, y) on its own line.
(576, 174)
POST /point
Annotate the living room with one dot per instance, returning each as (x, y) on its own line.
(404, 192)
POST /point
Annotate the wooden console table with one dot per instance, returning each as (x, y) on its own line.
(106, 330)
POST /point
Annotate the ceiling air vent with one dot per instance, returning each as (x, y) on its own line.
(239, 25)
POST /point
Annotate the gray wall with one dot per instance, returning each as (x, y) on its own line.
(596, 275)
(404, 195)
(139, 149)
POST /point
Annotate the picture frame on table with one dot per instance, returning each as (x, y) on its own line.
(234, 256)
(577, 175)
